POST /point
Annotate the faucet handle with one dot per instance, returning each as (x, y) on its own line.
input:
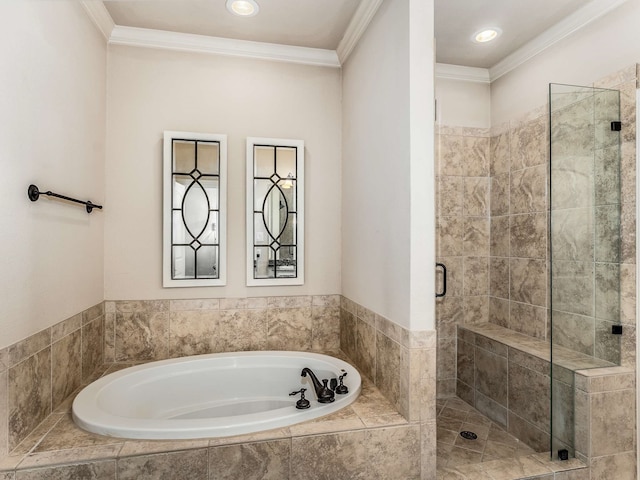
(303, 403)
(341, 389)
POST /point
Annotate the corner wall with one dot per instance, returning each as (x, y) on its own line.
(53, 113)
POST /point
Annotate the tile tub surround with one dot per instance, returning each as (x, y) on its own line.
(368, 439)
(159, 329)
(401, 363)
(38, 373)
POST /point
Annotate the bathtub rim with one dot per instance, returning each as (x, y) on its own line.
(104, 423)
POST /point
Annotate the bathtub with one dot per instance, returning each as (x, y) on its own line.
(213, 395)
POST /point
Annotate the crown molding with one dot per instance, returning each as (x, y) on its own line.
(571, 24)
(357, 26)
(98, 13)
(143, 37)
(465, 74)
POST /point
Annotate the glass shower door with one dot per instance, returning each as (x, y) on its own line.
(584, 243)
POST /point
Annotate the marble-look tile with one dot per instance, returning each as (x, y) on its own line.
(528, 235)
(445, 388)
(325, 331)
(366, 315)
(612, 422)
(607, 233)
(529, 361)
(241, 330)
(326, 301)
(64, 328)
(299, 301)
(528, 281)
(500, 237)
(73, 455)
(274, 434)
(528, 144)
(476, 151)
(492, 409)
(450, 234)
(251, 461)
(92, 342)
(499, 145)
(67, 435)
(366, 348)
(476, 276)
(607, 176)
(394, 452)
(7, 476)
(103, 470)
(4, 414)
(614, 467)
(455, 276)
(450, 196)
(193, 332)
(476, 236)
(499, 311)
(563, 419)
(109, 348)
(628, 232)
(499, 275)
(388, 367)
(476, 196)
(66, 366)
(4, 359)
(476, 309)
(29, 346)
(464, 391)
(607, 346)
(140, 447)
(500, 194)
(289, 328)
(340, 421)
(449, 314)
(142, 335)
(146, 306)
(450, 155)
(29, 397)
(491, 345)
(348, 305)
(191, 464)
(528, 190)
(628, 172)
(491, 370)
(572, 181)
(519, 467)
(607, 291)
(92, 313)
(529, 395)
(465, 364)
(528, 433)
(446, 358)
(348, 328)
(572, 234)
(628, 294)
(342, 455)
(573, 287)
(194, 304)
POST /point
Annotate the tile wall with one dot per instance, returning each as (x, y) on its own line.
(38, 373)
(462, 239)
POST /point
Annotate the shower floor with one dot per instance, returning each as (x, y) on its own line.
(493, 442)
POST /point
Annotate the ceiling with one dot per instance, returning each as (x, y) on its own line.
(321, 24)
(304, 23)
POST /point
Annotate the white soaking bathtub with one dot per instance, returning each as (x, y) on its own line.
(213, 395)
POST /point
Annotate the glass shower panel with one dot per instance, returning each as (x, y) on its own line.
(584, 236)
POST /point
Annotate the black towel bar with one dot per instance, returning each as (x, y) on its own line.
(34, 194)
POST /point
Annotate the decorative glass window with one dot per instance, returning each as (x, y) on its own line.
(194, 244)
(275, 211)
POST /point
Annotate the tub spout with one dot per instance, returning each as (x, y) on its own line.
(324, 393)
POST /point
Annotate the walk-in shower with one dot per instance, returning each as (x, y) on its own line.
(584, 244)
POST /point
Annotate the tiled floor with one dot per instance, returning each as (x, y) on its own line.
(493, 442)
(494, 455)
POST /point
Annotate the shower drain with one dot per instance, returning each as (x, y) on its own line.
(468, 435)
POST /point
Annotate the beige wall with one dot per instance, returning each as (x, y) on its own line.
(153, 90)
(52, 112)
(463, 104)
(608, 45)
(378, 238)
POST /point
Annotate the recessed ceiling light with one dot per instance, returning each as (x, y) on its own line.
(486, 35)
(243, 8)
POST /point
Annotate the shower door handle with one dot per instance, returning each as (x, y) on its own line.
(444, 280)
